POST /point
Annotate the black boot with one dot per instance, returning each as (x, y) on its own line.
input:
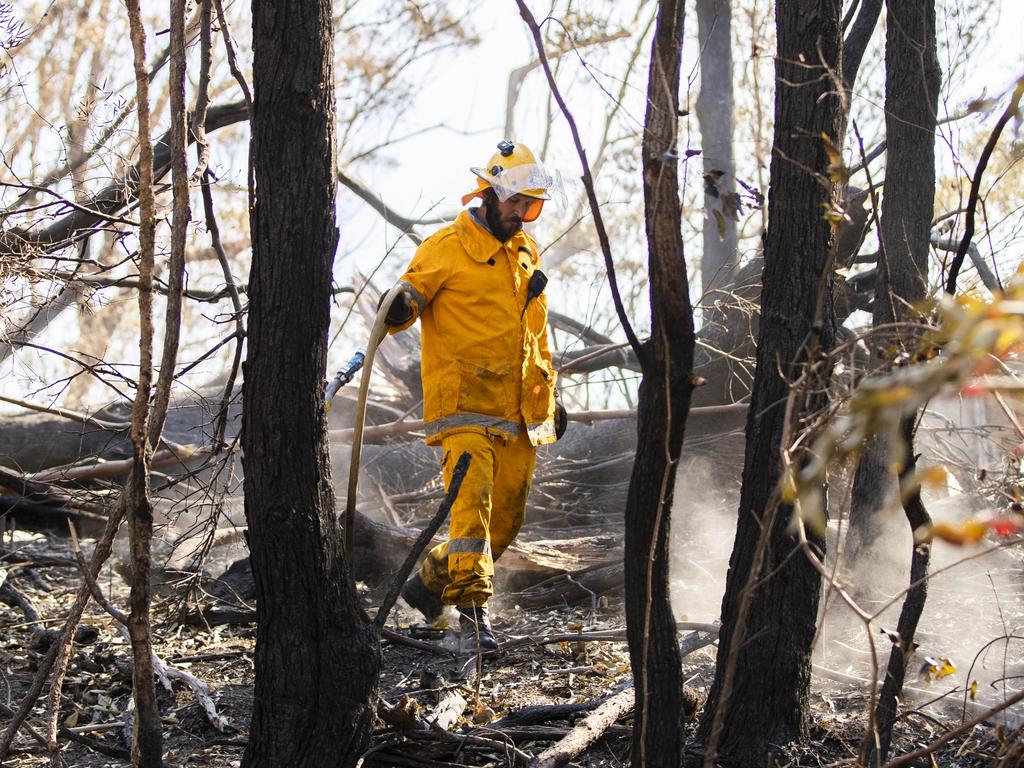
(417, 595)
(476, 629)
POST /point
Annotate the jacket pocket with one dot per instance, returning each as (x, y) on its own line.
(539, 391)
(485, 387)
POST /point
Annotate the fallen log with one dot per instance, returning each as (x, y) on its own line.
(19, 485)
(523, 733)
(14, 597)
(532, 575)
(586, 732)
(570, 588)
(450, 706)
(31, 514)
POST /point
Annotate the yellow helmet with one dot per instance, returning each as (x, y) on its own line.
(514, 170)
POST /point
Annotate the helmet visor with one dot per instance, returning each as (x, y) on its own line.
(530, 179)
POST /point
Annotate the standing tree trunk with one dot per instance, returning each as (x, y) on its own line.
(856, 43)
(912, 82)
(147, 738)
(715, 117)
(661, 418)
(317, 661)
(758, 701)
(907, 207)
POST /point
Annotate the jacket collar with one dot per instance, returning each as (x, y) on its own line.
(480, 244)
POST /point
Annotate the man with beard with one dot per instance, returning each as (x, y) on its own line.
(488, 382)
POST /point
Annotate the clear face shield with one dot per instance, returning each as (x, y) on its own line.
(530, 179)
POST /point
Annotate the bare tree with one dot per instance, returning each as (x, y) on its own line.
(316, 660)
(662, 409)
(912, 81)
(758, 701)
(147, 743)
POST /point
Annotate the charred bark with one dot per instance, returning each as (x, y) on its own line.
(856, 42)
(877, 752)
(758, 701)
(316, 660)
(907, 208)
(663, 404)
(912, 81)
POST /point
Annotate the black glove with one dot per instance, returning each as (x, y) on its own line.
(401, 308)
(561, 420)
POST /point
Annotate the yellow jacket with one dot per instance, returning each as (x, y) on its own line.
(486, 365)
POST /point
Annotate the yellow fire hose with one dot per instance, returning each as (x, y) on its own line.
(377, 333)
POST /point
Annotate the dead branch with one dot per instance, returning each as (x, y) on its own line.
(583, 332)
(229, 290)
(13, 596)
(405, 426)
(618, 635)
(505, 748)
(64, 413)
(199, 689)
(979, 173)
(565, 45)
(936, 745)
(588, 182)
(119, 468)
(45, 509)
(406, 225)
(450, 706)
(542, 713)
(36, 491)
(117, 196)
(411, 642)
(597, 358)
(988, 278)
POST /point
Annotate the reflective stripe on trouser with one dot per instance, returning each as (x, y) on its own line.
(484, 519)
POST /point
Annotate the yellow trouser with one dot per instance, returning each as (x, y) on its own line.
(485, 517)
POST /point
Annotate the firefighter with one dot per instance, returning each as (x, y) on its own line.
(488, 383)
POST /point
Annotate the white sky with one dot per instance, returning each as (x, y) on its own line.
(466, 90)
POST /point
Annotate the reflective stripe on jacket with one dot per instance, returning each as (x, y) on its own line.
(486, 365)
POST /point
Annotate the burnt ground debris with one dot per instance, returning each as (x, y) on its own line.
(525, 697)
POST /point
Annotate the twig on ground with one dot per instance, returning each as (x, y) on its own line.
(507, 748)
(13, 596)
(936, 745)
(411, 642)
(612, 635)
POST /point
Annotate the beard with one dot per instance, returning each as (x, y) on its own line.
(502, 230)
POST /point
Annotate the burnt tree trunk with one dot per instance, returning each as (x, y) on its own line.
(758, 700)
(316, 661)
(912, 81)
(856, 43)
(664, 400)
(876, 752)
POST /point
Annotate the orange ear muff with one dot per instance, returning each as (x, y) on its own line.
(533, 210)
